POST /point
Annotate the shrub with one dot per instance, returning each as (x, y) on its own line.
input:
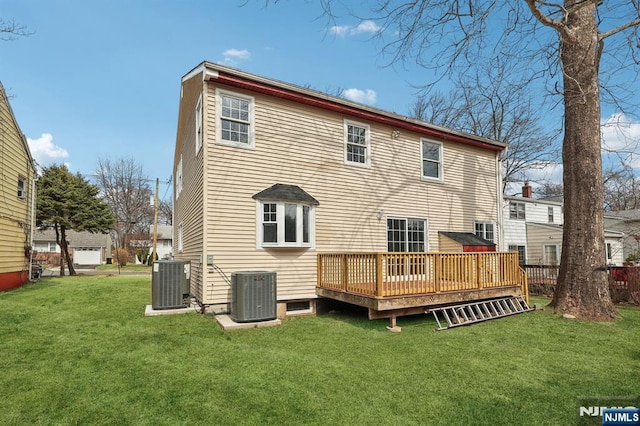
(122, 256)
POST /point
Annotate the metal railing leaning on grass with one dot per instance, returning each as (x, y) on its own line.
(401, 274)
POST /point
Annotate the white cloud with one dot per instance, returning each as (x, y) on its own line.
(621, 139)
(364, 27)
(233, 55)
(44, 151)
(362, 96)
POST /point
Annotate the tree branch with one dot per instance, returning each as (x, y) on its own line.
(620, 28)
(556, 24)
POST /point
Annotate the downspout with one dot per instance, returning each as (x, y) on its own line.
(499, 202)
(33, 220)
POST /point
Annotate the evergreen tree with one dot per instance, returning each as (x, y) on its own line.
(69, 202)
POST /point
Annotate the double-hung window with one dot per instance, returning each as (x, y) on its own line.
(550, 214)
(235, 119)
(485, 230)
(22, 188)
(285, 224)
(516, 210)
(431, 160)
(179, 178)
(198, 125)
(357, 149)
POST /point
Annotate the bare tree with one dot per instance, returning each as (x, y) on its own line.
(165, 212)
(127, 191)
(621, 189)
(487, 103)
(563, 45)
(10, 30)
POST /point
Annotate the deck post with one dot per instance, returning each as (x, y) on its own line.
(345, 271)
(378, 291)
(437, 272)
(319, 270)
(393, 327)
(479, 269)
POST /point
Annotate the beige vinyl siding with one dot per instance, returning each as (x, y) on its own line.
(304, 146)
(537, 237)
(188, 206)
(447, 244)
(15, 213)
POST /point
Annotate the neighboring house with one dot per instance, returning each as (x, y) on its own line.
(533, 228)
(17, 208)
(268, 174)
(164, 242)
(86, 248)
(627, 222)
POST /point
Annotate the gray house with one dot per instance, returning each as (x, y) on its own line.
(86, 248)
(628, 222)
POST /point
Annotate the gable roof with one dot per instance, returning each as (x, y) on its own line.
(5, 99)
(282, 192)
(240, 79)
(76, 239)
(467, 239)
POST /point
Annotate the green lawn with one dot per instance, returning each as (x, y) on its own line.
(128, 267)
(79, 350)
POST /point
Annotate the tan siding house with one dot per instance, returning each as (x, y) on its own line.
(17, 178)
(267, 175)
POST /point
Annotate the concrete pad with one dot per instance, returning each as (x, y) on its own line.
(227, 323)
(150, 312)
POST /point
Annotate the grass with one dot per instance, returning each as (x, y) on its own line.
(128, 267)
(79, 350)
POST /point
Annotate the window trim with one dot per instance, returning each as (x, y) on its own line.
(280, 225)
(484, 224)
(179, 182)
(220, 93)
(406, 232)
(550, 214)
(440, 145)
(517, 212)
(22, 188)
(516, 247)
(180, 238)
(198, 128)
(367, 146)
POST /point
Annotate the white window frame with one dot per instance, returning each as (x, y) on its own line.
(517, 211)
(179, 178)
(180, 238)
(439, 161)
(220, 93)
(366, 146)
(198, 129)
(406, 232)
(484, 230)
(22, 188)
(544, 253)
(550, 215)
(516, 247)
(280, 223)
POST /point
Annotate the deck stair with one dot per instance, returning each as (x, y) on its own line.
(485, 310)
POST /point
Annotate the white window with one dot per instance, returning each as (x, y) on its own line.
(44, 246)
(406, 235)
(179, 177)
(485, 230)
(431, 160)
(516, 210)
(609, 252)
(522, 253)
(550, 254)
(282, 224)
(550, 214)
(356, 144)
(180, 247)
(199, 125)
(22, 191)
(235, 119)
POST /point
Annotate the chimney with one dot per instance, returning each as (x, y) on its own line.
(526, 190)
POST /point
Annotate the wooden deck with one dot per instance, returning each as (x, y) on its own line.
(396, 284)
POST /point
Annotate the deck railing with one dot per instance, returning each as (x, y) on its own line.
(402, 274)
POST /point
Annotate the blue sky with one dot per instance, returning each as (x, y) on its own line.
(101, 79)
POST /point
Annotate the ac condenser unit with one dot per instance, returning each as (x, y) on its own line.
(170, 284)
(253, 296)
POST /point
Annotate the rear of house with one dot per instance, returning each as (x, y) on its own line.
(17, 211)
(268, 175)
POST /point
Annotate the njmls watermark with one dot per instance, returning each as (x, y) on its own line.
(609, 411)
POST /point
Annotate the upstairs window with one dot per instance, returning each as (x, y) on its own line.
(550, 214)
(235, 118)
(431, 160)
(199, 125)
(485, 230)
(357, 144)
(22, 191)
(180, 246)
(179, 178)
(516, 210)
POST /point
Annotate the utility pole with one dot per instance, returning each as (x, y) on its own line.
(155, 222)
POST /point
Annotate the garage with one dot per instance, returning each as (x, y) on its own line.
(87, 255)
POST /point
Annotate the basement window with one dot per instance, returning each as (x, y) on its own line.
(299, 307)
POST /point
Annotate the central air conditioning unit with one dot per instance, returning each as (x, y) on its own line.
(253, 296)
(170, 284)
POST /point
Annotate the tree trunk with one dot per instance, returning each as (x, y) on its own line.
(582, 289)
(64, 246)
